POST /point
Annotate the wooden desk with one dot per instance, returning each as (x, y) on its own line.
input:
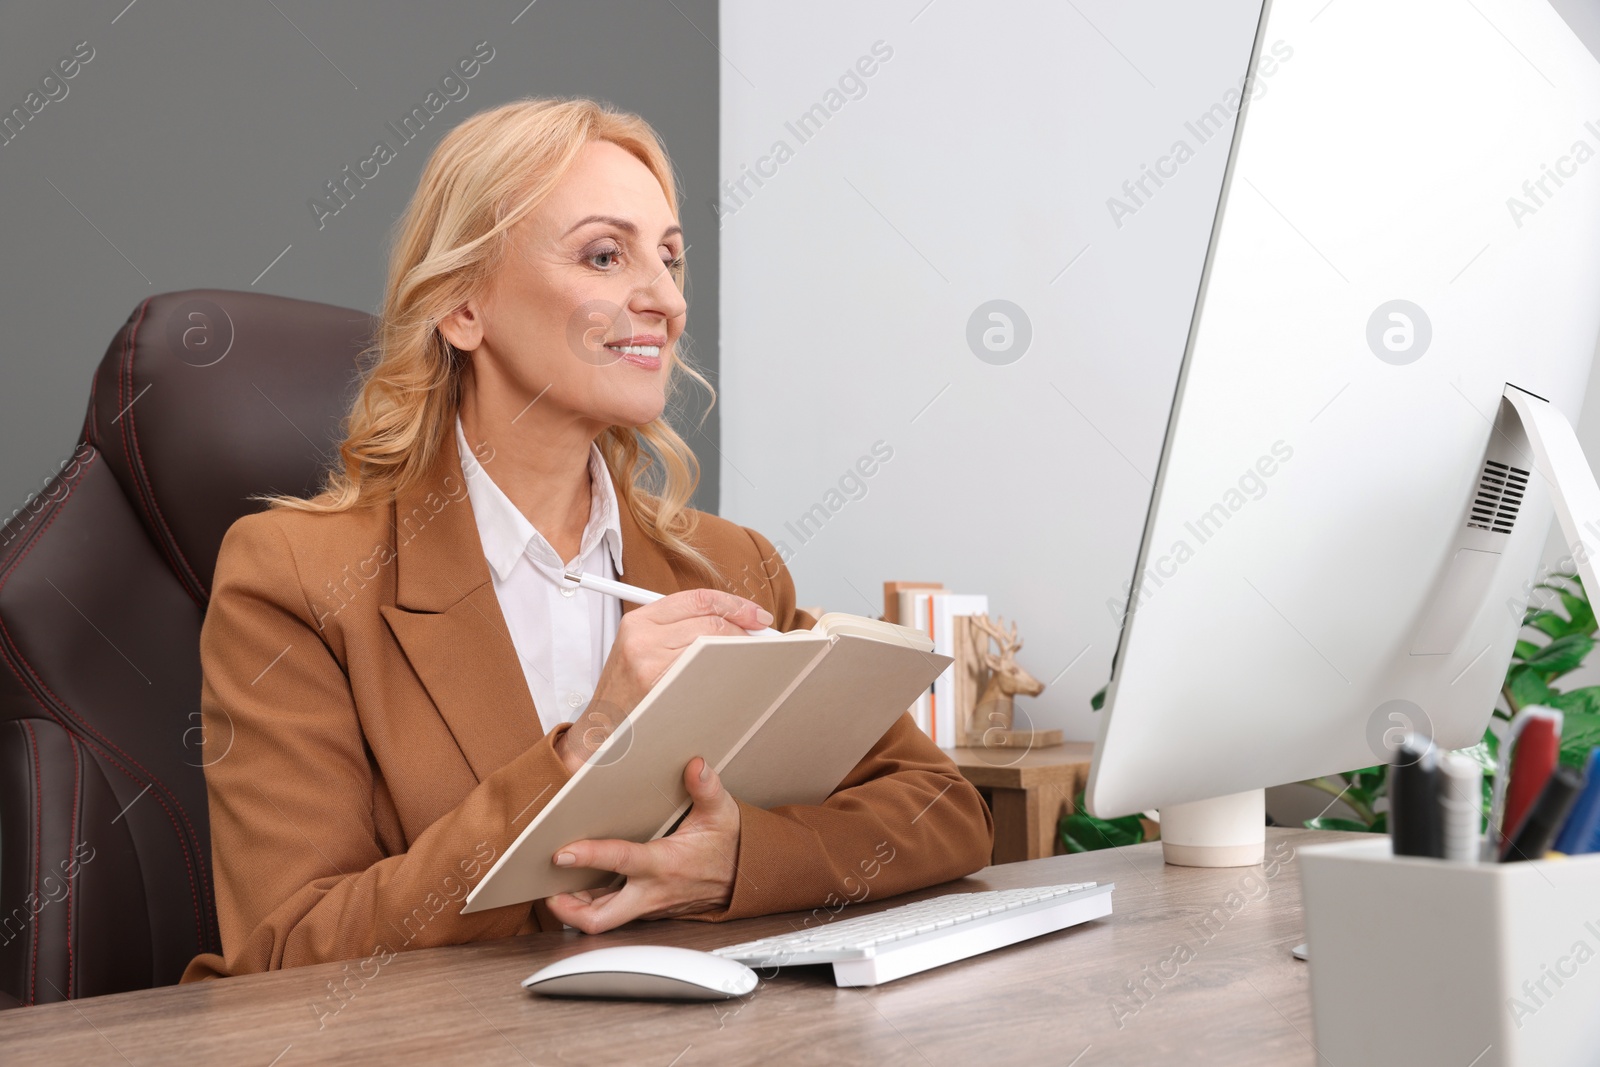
(1115, 991)
(1028, 792)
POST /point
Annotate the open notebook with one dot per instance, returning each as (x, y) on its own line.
(781, 717)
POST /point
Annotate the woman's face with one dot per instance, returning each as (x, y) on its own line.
(582, 317)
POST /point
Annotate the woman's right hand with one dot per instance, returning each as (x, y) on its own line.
(650, 638)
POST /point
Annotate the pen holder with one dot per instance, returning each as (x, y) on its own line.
(1421, 961)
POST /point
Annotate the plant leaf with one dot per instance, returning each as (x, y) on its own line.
(1527, 685)
(1564, 583)
(1098, 701)
(1367, 784)
(1482, 755)
(1580, 735)
(1525, 649)
(1327, 822)
(1561, 655)
(1579, 611)
(1082, 832)
(1584, 701)
(1547, 622)
(1491, 745)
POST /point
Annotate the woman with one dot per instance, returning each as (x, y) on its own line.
(395, 668)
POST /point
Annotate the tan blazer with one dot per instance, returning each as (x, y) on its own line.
(372, 748)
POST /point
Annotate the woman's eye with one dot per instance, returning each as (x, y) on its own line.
(606, 258)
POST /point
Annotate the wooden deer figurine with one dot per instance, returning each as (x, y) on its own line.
(993, 714)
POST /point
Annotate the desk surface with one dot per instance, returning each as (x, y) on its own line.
(1208, 952)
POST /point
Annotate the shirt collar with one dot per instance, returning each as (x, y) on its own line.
(506, 533)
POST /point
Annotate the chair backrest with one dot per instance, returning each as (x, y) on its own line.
(204, 399)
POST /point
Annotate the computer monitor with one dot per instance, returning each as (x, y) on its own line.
(1391, 340)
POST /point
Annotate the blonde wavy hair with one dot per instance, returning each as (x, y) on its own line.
(482, 179)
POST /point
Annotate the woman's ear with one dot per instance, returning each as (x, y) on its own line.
(463, 327)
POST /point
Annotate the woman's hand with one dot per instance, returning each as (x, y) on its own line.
(689, 871)
(649, 639)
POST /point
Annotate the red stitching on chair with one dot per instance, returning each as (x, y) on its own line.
(125, 372)
(83, 724)
(152, 510)
(53, 512)
(38, 833)
(89, 416)
(203, 907)
(72, 849)
(201, 911)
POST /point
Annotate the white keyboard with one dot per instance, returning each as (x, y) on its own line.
(891, 944)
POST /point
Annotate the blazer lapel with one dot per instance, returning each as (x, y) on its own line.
(447, 620)
(644, 562)
(447, 617)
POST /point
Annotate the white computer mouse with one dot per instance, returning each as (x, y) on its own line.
(644, 971)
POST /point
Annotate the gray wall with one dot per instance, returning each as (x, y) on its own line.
(184, 154)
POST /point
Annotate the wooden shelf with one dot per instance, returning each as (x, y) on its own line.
(1027, 792)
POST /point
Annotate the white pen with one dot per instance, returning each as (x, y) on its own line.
(632, 594)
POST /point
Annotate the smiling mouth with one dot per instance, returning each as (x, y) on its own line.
(646, 351)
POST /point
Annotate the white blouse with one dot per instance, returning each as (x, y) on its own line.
(562, 634)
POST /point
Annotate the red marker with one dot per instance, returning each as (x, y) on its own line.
(1537, 750)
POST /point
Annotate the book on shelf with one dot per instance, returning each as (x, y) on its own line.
(913, 612)
(944, 611)
(892, 601)
(943, 711)
(897, 608)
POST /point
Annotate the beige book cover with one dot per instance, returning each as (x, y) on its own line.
(892, 599)
(783, 718)
(970, 676)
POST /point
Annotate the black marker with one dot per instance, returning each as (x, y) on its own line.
(1543, 821)
(1416, 815)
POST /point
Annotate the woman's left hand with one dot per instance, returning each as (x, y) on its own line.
(687, 872)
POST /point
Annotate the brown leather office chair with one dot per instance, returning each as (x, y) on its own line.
(204, 398)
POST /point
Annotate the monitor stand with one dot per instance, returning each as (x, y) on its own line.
(1228, 831)
(1559, 459)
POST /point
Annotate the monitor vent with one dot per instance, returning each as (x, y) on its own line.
(1500, 491)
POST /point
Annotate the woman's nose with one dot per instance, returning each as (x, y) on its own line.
(658, 294)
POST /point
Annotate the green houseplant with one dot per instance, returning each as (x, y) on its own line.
(1556, 643)
(1558, 639)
